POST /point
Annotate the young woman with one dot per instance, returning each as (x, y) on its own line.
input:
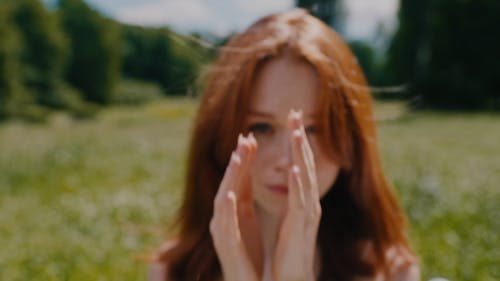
(284, 180)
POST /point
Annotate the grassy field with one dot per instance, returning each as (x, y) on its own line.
(85, 200)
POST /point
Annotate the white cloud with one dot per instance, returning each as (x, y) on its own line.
(365, 15)
(223, 16)
(218, 16)
(236, 15)
(263, 7)
(184, 14)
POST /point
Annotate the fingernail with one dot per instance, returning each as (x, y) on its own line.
(240, 139)
(296, 118)
(235, 158)
(297, 135)
(231, 195)
(252, 139)
(242, 145)
(296, 173)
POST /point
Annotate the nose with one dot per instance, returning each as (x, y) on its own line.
(282, 148)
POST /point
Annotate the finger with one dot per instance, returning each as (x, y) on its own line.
(305, 145)
(252, 142)
(225, 227)
(297, 150)
(230, 177)
(240, 263)
(246, 151)
(245, 187)
(296, 200)
(302, 154)
(232, 223)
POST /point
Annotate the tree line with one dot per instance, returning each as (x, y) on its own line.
(73, 58)
(445, 52)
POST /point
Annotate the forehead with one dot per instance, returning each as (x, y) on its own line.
(283, 83)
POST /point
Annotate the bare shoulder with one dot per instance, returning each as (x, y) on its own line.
(158, 268)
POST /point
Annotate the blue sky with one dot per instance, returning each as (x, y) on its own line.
(224, 16)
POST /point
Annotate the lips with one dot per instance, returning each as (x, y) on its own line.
(279, 189)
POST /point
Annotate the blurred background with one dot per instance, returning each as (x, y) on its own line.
(97, 99)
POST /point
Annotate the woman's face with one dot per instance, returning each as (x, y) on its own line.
(282, 84)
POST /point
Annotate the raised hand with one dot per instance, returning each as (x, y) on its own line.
(234, 226)
(295, 249)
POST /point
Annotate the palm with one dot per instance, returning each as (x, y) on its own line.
(249, 228)
(295, 251)
(289, 249)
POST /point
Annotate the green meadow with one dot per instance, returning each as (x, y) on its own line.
(86, 200)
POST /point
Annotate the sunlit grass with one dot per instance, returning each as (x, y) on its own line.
(83, 200)
(446, 169)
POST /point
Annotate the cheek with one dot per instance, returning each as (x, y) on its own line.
(258, 167)
(254, 170)
(267, 151)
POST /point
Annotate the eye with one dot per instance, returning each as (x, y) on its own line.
(260, 128)
(311, 130)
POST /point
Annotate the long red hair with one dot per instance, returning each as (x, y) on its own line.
(360, 207)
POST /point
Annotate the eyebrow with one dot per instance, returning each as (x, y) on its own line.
(260, 113)
(270, 115)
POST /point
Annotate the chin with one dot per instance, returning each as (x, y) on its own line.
(276, 208)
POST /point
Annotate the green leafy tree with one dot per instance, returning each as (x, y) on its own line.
(159, 55)
(12, 94)
(405, 53)
(444, 50)
(42, 51)
(188, 59)
(95, 50)
(461, 67)
(147, 54)
(366, 58)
